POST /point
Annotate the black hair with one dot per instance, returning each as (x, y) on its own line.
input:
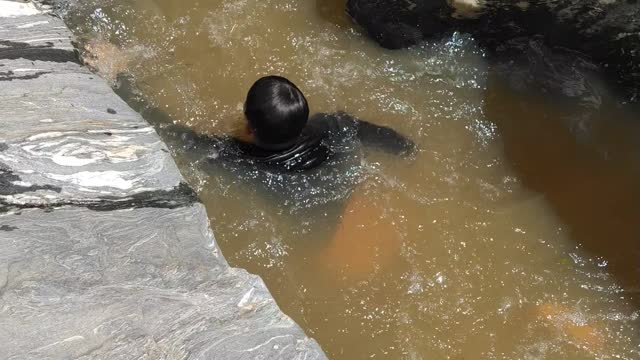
(277, 111)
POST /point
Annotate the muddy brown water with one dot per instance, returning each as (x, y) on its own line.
(512, 233)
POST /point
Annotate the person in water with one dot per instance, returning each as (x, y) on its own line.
(300, 160)
(307, 165)
(282, 136)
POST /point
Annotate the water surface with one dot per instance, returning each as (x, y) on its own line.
(510, 235)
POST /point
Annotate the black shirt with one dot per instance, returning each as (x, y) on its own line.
(322, 167)
(326, 135)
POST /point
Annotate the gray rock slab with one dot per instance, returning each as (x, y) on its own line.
(64, 134)
(144, 283)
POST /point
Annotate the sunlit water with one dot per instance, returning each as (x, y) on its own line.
(512, 233)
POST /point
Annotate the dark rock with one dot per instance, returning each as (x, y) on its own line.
(10, 75)
(12, 50)
(397, 24)
(608, 31)
(11, 184)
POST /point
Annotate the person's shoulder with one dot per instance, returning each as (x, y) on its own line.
(321, 120)
(319, 123)
(331, 122)
(340, 114)
(319, 116)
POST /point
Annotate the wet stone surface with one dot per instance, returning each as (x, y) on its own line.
(105, 253)
(132, 283)
(56, 124)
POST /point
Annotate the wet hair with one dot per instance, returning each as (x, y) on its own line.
(277, 111)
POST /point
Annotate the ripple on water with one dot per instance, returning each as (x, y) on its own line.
(479, 265)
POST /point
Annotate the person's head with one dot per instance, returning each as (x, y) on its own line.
(276, 111)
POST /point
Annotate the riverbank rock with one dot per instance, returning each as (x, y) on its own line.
(105, 252)
(608, 31)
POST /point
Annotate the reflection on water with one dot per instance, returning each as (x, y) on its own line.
(509, 236)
